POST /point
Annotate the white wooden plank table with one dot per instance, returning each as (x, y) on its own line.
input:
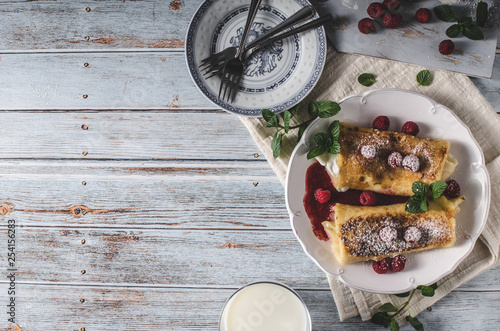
(126, 218)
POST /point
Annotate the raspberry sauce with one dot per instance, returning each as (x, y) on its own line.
(318, 178)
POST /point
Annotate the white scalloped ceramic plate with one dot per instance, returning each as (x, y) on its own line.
(435, 121)
(277, 77)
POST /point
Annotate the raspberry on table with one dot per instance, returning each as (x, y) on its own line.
(388, 234)
(368, 198)
(392, 21)
(395, 159)
(423, 15)
(412, 234)
(322, 196)
(410, 128)
(376, 9)
(366, 26)
(381, 123)
(398, 263)
(391, 4)
(368, 151)
(411, 162)
(446, 47)
(452, 190)
(381, 267)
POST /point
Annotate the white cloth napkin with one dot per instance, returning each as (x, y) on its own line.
(457, 92)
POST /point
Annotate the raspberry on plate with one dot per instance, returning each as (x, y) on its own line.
(366, 26)
(322, 196)
(392, 21)
(368, 198)
(452, 190)
(411, 162)
(391, 4)
(410, 128)
(446, 47)
(381, 267)
(395, 159)
(398, 263)
(381, 123)
(368, 151)
(423, 15)
(376, 9)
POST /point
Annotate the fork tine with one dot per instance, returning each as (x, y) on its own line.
(228, 86)
(222, 80)
(236, 84)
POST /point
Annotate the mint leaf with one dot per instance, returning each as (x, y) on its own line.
(403, 295)
(287, 116)
(316, 151)
(381, 318)
(334, 129)
(271, 118)
(481, 13)
(473, 32)
(419, 188)
(445, 13)
(453, 31)
(322, 139)
(426, 290)
(313, 108)
(415, 323)
(294, 110)
(424, 78)
(335, 147)
(302, 128)
(366, 79)
(424, 204)
(466, 21)
(394, 325)
(414, 204)
(328, 109)
(388, 307)
(437, 188)
(276, 144)
(434, 286)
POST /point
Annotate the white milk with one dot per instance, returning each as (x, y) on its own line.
(265, 306)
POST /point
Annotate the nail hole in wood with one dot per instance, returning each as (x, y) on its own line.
(83, 241)
(87, 9)
(82, 329)
(84, 153)
(87, 38)
(82, 300)
(85, 96)
(256, 155)
(429, 308)
(85, 64)
(84, 183)
(255, 183)
(83, 271)
(84, 127)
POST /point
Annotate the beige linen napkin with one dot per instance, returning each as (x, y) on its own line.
(457, 92)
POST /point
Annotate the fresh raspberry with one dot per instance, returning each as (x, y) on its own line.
(368, 198)
(452, 190)
(391, 4)
(380, 267)
(411, 162)
(388, 234)
(392, 21)
(410, 128)
(395, 159)
(322, 196)
(381, 123)
(376, 9)
(366, 26)
(412, 234)
(446, 47)
(423, 15)
(398, 263)
(368, 151)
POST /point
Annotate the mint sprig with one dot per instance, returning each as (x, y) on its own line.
(326, 142)
(417, 203)
(282, 122)
(388, 312)
(464, 25)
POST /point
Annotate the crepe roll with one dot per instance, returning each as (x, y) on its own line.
(362, 233)
(363, 161)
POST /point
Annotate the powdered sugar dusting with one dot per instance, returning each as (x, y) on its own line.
(368, 151)
(411, 162)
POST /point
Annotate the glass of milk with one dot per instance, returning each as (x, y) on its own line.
(265, 306)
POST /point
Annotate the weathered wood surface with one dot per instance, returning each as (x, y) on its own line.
(46, 307)
(175, 204)
(120, 81)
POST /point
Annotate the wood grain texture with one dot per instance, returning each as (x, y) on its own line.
(47, 307)
(120, 81)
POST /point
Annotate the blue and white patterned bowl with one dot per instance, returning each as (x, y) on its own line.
(278, 76)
